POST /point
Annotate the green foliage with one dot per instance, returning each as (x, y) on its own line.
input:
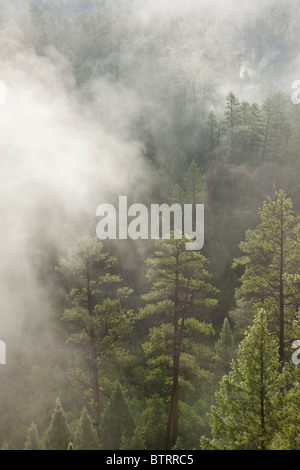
(136, 442)
(96, 299)
(232, 120)
(177, 351)
(245, 416)
(98, 318)
(225, 347)
(271, 261)
(141, 79)
(33, 440)
(86, 437)
(155, 416)
(57, 436)
(116, 421)
(194, 190)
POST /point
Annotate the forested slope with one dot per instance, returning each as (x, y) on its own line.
(124, 344)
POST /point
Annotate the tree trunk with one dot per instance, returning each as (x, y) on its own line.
(262, 395)
(95, 380)
(172, 427)
(281, 297)
(94, 365)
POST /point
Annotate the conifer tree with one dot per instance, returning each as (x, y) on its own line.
(180, 282)
(116, 421)
(288, 435)
(57, 436)
(33, 440)
(86, 437)
(194, 190)
(244, 417)
(97, 315)
(136, 442)
(272, 274)
(225, 347)
(232, 120)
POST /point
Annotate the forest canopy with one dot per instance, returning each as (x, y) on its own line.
(135, 343)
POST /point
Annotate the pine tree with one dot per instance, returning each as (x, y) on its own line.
(86, 437)
(231, 124)
(180, 282)
(97, 315)
(249, 396)
(116, 421)
(271, 260)
(57, 436)
(33, 440)
(194, 190)
(231, 121)
(288, 436)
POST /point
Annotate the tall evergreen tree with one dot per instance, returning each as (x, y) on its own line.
(180, 282)
(271, 260)
(232, 121)
(97, 315)
(248, 398)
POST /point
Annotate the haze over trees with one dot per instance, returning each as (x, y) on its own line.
(141, 344)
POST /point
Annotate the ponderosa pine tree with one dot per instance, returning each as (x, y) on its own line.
(180, 285)
(117, 422)
(86, 437)
(272, 273)
(97, 316)
(57, 436)
(244, 417)
(33, 440)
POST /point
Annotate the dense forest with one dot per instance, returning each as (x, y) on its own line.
(142, 344)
